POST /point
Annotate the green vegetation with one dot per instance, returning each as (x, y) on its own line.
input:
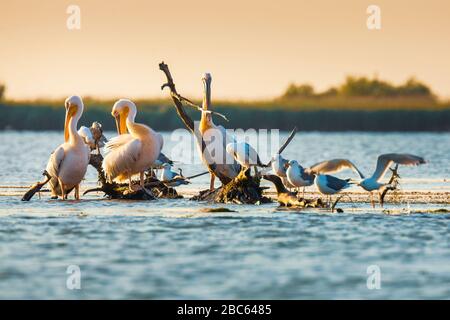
(358, 104)
(364, 87)
(363, 94)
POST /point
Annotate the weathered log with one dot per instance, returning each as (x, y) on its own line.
(153, 188)
(287, 198)
(392, 184)
(244, 189)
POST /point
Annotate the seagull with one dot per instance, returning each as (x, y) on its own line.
(329, 185)
(383, 162)
(279, 165)
(87, 137)
(305, 177)
(168, 175)
(333, 166)
(297, 176)
(159, 163)
(93, 136)
(245, 155)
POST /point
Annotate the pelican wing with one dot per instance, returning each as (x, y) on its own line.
(333, 166)
(122, 152)
(385, 160)
(54, 163)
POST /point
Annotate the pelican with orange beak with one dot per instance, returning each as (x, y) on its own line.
(215, 156)
(68, 163)
(130, 153)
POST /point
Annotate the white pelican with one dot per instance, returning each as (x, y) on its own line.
(216, 138)
(130, 153)
(383, 162)
(167, 174)
(68, 163)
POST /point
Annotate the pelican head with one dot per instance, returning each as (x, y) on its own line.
(122, 110)
(206, 79)
(74, 108)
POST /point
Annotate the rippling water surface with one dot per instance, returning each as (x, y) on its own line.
(171, 249)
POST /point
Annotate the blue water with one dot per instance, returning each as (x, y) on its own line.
(171, 249)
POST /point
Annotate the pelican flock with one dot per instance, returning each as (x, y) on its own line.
(137, 148)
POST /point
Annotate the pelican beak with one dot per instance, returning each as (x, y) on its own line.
(121, 123)
(206, 93)
(117, 118)
(70, 112)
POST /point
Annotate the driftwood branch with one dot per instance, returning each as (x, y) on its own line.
(36, 187)
(188, 122)
(285, 144)
(392, 184)
(288, 140)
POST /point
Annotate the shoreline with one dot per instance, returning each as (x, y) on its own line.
(441, 197)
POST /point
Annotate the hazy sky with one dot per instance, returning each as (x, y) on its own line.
(253, 48)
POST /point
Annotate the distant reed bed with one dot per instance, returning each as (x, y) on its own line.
(307, 115)
(358, 104)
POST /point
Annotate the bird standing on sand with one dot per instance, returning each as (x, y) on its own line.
(383, 162)
(130, 153)
(68, 163)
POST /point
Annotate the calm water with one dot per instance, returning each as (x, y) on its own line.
(170, 249)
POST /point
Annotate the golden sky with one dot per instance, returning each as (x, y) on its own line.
(253, 48)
